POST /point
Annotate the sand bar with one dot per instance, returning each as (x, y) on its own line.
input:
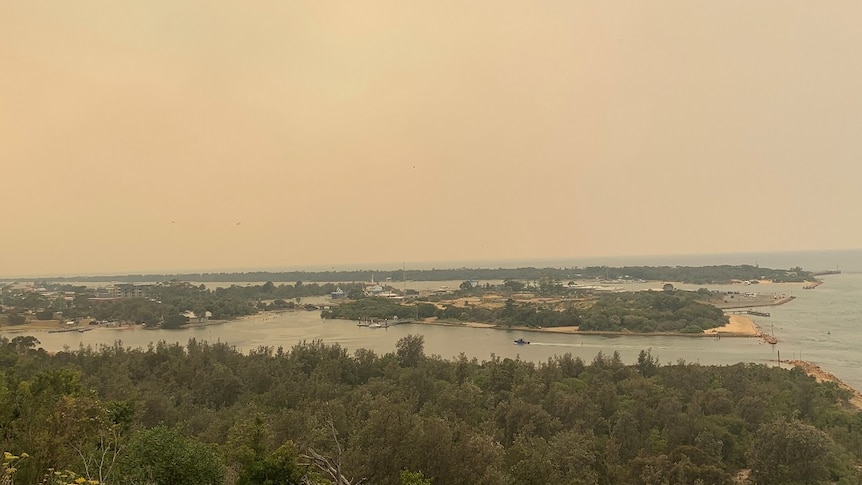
(737, 325)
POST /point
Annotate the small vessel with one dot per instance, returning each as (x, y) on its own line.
(375, 325)
(521, 341)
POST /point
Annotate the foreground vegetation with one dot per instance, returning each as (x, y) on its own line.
(207, 414)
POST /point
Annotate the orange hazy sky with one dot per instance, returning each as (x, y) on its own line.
(173, 135)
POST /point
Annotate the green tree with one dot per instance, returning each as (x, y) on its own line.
(174, 320)
(647, 365)
(791, 453)
(16, 319)
(23, 343)
(513, 285)
(410, 350)
(425, 310)
(413, 478)
(281, 467)
(162, 456)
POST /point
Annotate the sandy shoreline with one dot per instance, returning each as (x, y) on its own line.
(52, 326)
(738, 326)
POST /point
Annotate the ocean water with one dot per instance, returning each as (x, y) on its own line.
(845, 260)
(848, 260)
(824, 326)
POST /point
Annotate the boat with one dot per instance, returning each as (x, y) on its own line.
(375, 325)
(521, 341)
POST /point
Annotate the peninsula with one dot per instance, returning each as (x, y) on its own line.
(538, 300)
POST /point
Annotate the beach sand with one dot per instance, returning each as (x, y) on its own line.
(738, 325)
(560, 329)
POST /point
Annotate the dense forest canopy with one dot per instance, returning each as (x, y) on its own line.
(644, 311)
(208, 414)
(161, 304)
(684, 274)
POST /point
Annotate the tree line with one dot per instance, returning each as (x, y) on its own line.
(316, 414)
(716, 274)
(163, 304)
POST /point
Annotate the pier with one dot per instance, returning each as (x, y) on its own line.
(748, 312)
(384, 323)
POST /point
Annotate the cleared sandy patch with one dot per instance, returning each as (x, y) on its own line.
(571, 329)
(447, 323)
(738, 324)
(34, 324)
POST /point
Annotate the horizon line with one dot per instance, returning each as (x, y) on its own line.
(514, 263)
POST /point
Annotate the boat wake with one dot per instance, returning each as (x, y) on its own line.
(548, 344)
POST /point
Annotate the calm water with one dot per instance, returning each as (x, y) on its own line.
(821, 325)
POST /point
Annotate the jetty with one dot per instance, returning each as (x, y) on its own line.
(748, 312)
(382, 323)
(826, 272)
(743, 304)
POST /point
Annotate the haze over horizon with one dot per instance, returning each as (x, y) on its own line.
(178, 135)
